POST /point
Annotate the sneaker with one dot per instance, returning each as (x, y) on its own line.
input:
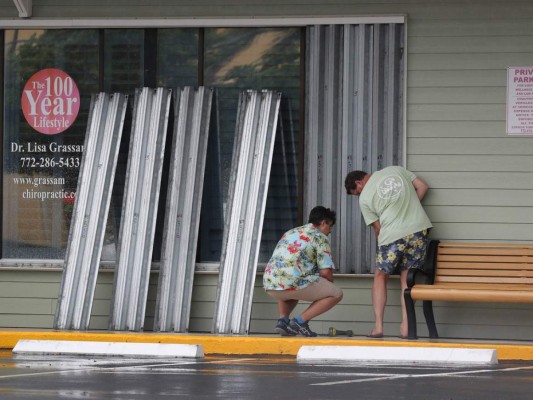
(300, 329)
(281, 328)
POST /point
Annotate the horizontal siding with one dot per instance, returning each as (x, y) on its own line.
(474, 27)
(495, 232)
(455, 112)
(438, 78)
(467, 62)
(471, 146)
(476, 214)
(483, 44)
(473, 163)
(462, 95)
(456, 129)
(477, 198)
(36, 311)
(468, 11)
(480, 180)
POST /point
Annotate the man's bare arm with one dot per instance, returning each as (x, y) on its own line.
(377, 226)
(421, 187)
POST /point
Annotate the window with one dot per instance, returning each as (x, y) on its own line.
(228, 60)
(353, 120)
(36, 206)
(239, 59)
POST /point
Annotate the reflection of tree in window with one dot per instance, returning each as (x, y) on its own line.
(269, 58)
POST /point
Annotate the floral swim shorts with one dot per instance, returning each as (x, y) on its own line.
(405, 253)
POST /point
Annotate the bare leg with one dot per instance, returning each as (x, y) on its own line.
(403, 325)
(320, 306)
(379, 299)
(285, 307)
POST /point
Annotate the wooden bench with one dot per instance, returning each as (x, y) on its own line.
(469, 272)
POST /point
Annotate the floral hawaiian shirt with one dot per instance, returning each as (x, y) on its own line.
(297, 259)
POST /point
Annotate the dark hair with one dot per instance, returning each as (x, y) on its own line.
(349, 181)
(320, 213)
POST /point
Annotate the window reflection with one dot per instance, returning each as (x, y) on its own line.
(249, 58)
(38, 227)
(234, 59)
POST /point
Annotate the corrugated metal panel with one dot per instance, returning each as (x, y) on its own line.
(184, 199)
(252, 157)
(354, 121)
(97, 173)
(139, 208)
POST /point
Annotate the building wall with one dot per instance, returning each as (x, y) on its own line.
(28, 300)
(481, 179)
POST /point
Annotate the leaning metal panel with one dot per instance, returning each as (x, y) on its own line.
(250, 172)
(184, 200)
(91, 208)
(354, 121)
(139, 208)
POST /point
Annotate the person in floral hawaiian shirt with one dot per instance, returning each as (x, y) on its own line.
(301, 268)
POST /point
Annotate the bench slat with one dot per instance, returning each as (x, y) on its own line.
(443, 245)
(486, 258)
(481, 272)
(481, 279)
(487, 250)
(433, 292)
(481, 265)
(485, 286)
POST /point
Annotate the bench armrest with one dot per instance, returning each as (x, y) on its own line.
(428, 268)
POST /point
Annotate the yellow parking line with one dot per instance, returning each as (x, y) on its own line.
(256, 344)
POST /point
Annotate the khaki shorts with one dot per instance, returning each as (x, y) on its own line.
(315, 291)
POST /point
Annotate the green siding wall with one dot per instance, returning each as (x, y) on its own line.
(481, 180)
(28, 300)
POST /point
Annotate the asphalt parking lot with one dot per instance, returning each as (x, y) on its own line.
(253, 377)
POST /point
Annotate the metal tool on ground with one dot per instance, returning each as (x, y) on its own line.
(336, 332)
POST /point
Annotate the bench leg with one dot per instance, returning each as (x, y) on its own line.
(430, 319)
(411, 316)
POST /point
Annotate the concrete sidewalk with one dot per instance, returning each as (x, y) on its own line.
(265, 344)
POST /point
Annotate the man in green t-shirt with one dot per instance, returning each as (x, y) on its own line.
(389, 200)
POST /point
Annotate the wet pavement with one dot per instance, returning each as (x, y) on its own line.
(253, 377)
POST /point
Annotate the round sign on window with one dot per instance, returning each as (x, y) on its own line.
(50, 101)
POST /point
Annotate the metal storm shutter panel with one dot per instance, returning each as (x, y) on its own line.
(184, 199)
(354, 120)
(256, 126)
(93, 196)
(139, 208)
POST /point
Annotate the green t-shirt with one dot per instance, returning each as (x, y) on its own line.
(390, 197)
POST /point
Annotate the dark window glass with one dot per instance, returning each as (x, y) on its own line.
(123, 60)
(37, 172)
(249, 58)
(123, 73)
(177, 57)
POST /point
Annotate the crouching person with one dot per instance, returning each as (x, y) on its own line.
(301, 268)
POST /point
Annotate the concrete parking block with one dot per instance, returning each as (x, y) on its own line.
(407, 355)
(65, 347)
